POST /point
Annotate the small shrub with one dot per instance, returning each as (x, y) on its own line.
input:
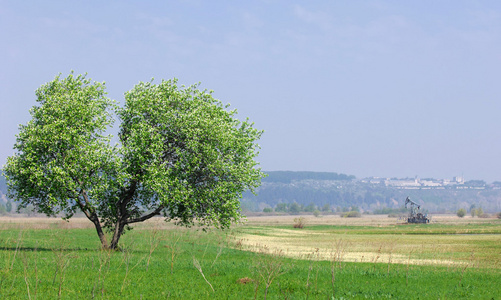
(352, 214)
(477, 212)
(499, 215)
(484, 215)
(267, 210)
(316, 213)
(299, 222)
(461, 212)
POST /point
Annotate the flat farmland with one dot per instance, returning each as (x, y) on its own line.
(446, 240)
(372, 257)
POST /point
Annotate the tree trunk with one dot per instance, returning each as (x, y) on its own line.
(102, 236)
(90, 213)
(119, 229)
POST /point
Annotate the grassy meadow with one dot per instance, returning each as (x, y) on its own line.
(372, 257)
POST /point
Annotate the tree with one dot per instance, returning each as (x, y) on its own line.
(479, 212)
(181, 154)
(473, 212)
(461, 212)
(8, 206)
(294, 208)
(281, 207)
(310, 207)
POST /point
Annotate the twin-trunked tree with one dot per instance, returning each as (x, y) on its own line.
(181, 154)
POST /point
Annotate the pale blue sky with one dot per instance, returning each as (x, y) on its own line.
(368, 88)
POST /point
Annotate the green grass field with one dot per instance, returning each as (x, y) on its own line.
(329, 258)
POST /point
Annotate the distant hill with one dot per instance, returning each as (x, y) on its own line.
(289, 176)
(335, 191)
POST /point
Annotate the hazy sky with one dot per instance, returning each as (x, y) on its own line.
(367, 88)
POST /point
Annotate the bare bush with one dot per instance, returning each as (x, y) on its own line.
(299, 222)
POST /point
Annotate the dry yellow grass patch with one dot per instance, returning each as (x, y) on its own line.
(378, 247)
(294, 248)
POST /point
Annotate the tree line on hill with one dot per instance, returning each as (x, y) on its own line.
(332, 190)
(296, 192)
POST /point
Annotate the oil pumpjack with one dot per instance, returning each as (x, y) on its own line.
(415, 216)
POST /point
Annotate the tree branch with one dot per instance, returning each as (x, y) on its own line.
(86, 208)
(146, 217)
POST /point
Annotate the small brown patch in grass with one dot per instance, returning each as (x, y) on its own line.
(245, 280)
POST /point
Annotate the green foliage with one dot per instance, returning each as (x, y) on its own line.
(62, 153)
(461, 212)
(3, 210)
(480, 211)
(188, 152)
(310, 207)
(3, 183)
(182, 154)
(281, 207)
(267, 210)
(8, 206)
(294, 208)
(316, 213)
(477, 212)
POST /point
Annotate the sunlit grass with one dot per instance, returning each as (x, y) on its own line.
(52, 259)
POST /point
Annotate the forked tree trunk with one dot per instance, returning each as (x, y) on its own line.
(119, 229)
(99, 229)
(114, 240)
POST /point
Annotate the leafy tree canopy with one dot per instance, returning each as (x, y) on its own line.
(181, 154)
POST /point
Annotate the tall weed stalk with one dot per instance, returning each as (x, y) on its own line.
(337, 253)
(268, 265)
(104, 257)
(126, 260)
(61, 261)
